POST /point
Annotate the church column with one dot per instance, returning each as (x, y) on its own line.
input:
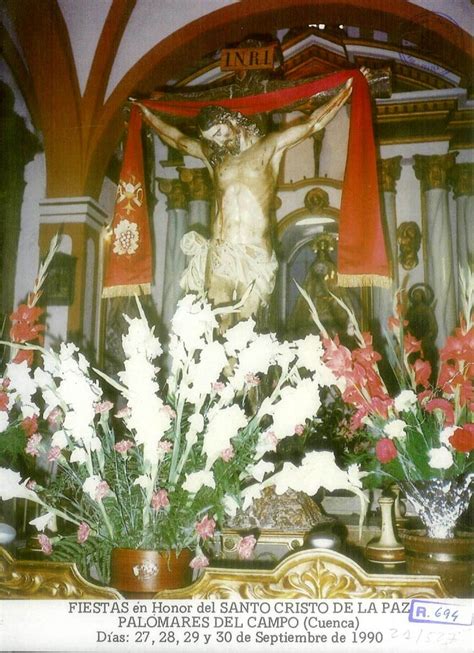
(175, 259)
(200, 190)
(432, 171)
(389, 174)
(73, 287)
(462, 179)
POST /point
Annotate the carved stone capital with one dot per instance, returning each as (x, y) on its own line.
(198, 182)
(432, 170)
(176, 193)
(389, 173)
(461, 177)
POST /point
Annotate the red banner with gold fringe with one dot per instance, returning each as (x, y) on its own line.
(129, 265)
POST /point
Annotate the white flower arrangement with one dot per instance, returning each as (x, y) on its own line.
(185, 458)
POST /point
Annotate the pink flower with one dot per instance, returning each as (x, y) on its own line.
(122, 446)
(83, 532)
(31, 484)
(55, 417)
(29, 425)
(46, 545)
(385, 450)
(411, 344)
(463, 438)
(199, 562)
(227, 454)
(218, 386)
(246, 546)
(160, 500)
(32, 445)
(272, 438)
(169, 411)
(24, 355)
(53, 454)
(165, 446)
(123, 413)
(299, 429)
(206, 527)
(252, 379)
(422, 371)
(101, 490)
(103, 407)
(444, 406)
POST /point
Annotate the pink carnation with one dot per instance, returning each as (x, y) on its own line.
(169, 411)
(299, 429)
(218, 386)
(228, 454)
(53, 454)
(29, 425)
(4, 401)
(83, 532)
(55, 417)
(252, 379)
(103, 407)
(165, 446)
(123, 413)
(246, 546)
(199, 562)
(122, 446)
(160, 500)
(206, 527)
(32, 445)
(46, 545)
(101, 490)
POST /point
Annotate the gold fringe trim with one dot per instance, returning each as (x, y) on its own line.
(127, 291)
(363, 280)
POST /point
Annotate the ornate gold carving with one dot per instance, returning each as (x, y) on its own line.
(32, 579)
(311, 574)
(409, 239)
(176, 193)
(432, 170)
(462, 179)
(198, 183)
(389, 173)
(316, 199)
(290, 511)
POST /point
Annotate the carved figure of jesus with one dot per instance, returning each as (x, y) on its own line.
(244, 165)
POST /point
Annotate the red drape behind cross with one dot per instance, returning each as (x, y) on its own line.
(362, 257)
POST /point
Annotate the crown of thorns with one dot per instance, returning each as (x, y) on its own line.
(214, 115)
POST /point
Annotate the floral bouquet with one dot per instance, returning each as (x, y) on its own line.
(423, 437)
(164, 465)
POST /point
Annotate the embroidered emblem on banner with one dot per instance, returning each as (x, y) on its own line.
(127, 237)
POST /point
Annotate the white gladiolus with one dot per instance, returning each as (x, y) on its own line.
(222, 426)
(238, 336)
(78, 455)
(259, 470)
(90, 486)
(4, 421)
(144, 481)
(11, 486)
(395, 429)
(440, 458)
(59, 439)
(250, 493)
(20, 381)
(196, 480)
(230, 505)
(405, 400)
(193, 322)
(40, 523)
(140, 339)
(212, 361)
(309, 351)
(296, 405)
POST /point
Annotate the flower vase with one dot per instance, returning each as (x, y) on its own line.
(139, 573)
(386, 549)
(439, 503)
(438, 549)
